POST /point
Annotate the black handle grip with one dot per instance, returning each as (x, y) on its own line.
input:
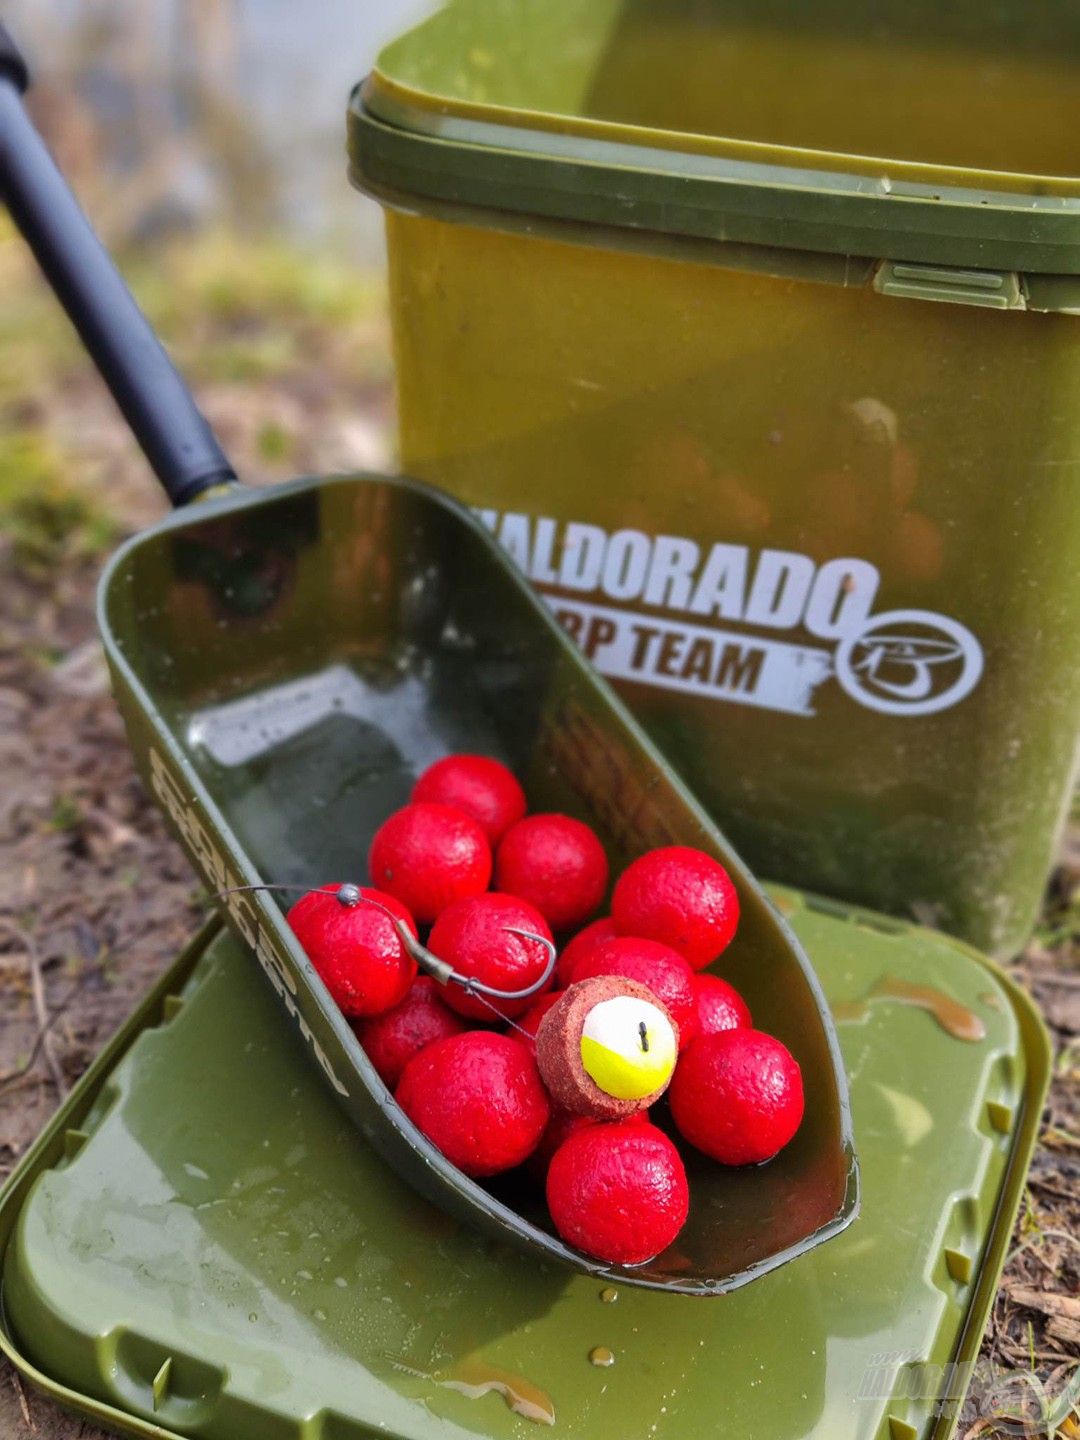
(12, 63)
(155, 402)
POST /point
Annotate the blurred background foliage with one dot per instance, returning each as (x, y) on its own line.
(170, 114)
(205, 138)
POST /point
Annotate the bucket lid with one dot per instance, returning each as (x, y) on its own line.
(201, 1244)
(910, 132)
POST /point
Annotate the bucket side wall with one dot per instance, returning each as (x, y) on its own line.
(933, 447)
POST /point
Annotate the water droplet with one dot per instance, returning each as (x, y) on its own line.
(601, 1355)
(253, 1317)
(609, 1295)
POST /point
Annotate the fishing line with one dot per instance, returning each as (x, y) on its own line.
(350, 896)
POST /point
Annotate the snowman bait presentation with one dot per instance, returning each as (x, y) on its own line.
(607, 1048)
(541, 1036)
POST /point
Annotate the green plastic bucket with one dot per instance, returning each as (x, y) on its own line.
(751, 331)
(241, 1265)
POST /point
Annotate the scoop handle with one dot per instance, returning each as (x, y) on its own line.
(171, 430)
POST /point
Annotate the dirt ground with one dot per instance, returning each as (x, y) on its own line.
(96, 899)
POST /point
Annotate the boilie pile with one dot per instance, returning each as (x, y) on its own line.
(513, 1062)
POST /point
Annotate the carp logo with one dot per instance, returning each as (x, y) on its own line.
(909, 662)
(765, 628)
